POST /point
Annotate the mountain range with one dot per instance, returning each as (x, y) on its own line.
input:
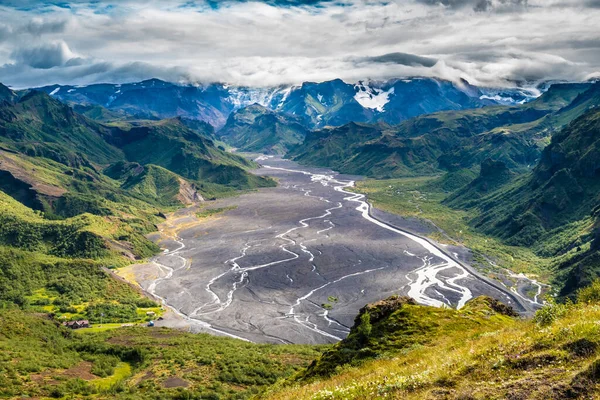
(316, 104)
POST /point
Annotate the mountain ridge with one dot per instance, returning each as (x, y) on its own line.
(332, 102)
(446, 140)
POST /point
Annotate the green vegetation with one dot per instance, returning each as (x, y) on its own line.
(41, 359)
(77, 199)
(450, 140)
(209, 212)
(424, 197)
(172, 145)
(401, 350)
(544, 222)
(257, 129)
(77, 195)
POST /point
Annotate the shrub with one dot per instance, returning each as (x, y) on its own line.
(112, 312)
(364, 329)
(589, 294)
(104, 365)
(550, 312)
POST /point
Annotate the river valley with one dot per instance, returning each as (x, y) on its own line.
(295, 263)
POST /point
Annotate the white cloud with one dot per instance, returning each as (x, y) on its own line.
(496, 42)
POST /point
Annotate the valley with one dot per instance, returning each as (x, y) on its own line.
(294, 264)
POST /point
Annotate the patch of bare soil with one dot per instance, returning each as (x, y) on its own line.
(121, 340)
(22, 174)
(81, 370)
(175, 382)
(188, 193)
(160, 334)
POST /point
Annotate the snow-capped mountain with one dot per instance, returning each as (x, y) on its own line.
(316, 104)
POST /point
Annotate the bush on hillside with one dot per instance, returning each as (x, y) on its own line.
(589, 294)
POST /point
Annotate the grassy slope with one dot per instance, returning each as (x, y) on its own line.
(41, 126)
(54, 266)
(474, 353)
(39, 359)
(172, 145)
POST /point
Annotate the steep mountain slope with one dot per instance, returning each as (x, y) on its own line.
(170, 144)
(154, 184)
(257, 129)
(325, 103)
(448, 140)
(7, 95)
(408, 98)
(38, 125)
(334, 147)
(553, 209)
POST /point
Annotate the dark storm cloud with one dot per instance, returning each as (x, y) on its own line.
(401, 59)
(44, 56)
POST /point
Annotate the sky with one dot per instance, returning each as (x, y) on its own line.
(498, 43)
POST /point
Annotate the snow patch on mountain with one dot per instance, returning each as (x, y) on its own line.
(373, 98)
(502, 100)
(240, 97)
(52, 93)
(510, 96)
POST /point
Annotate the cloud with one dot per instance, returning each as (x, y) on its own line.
(38, 26)
(402, 59)
(44, 56)
(479, 5)
(272, 42)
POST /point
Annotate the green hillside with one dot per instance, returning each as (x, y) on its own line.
(542, 223)
(447, 141)
(257, 129)
(552, 210)
(172, 145)
(40, 126)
